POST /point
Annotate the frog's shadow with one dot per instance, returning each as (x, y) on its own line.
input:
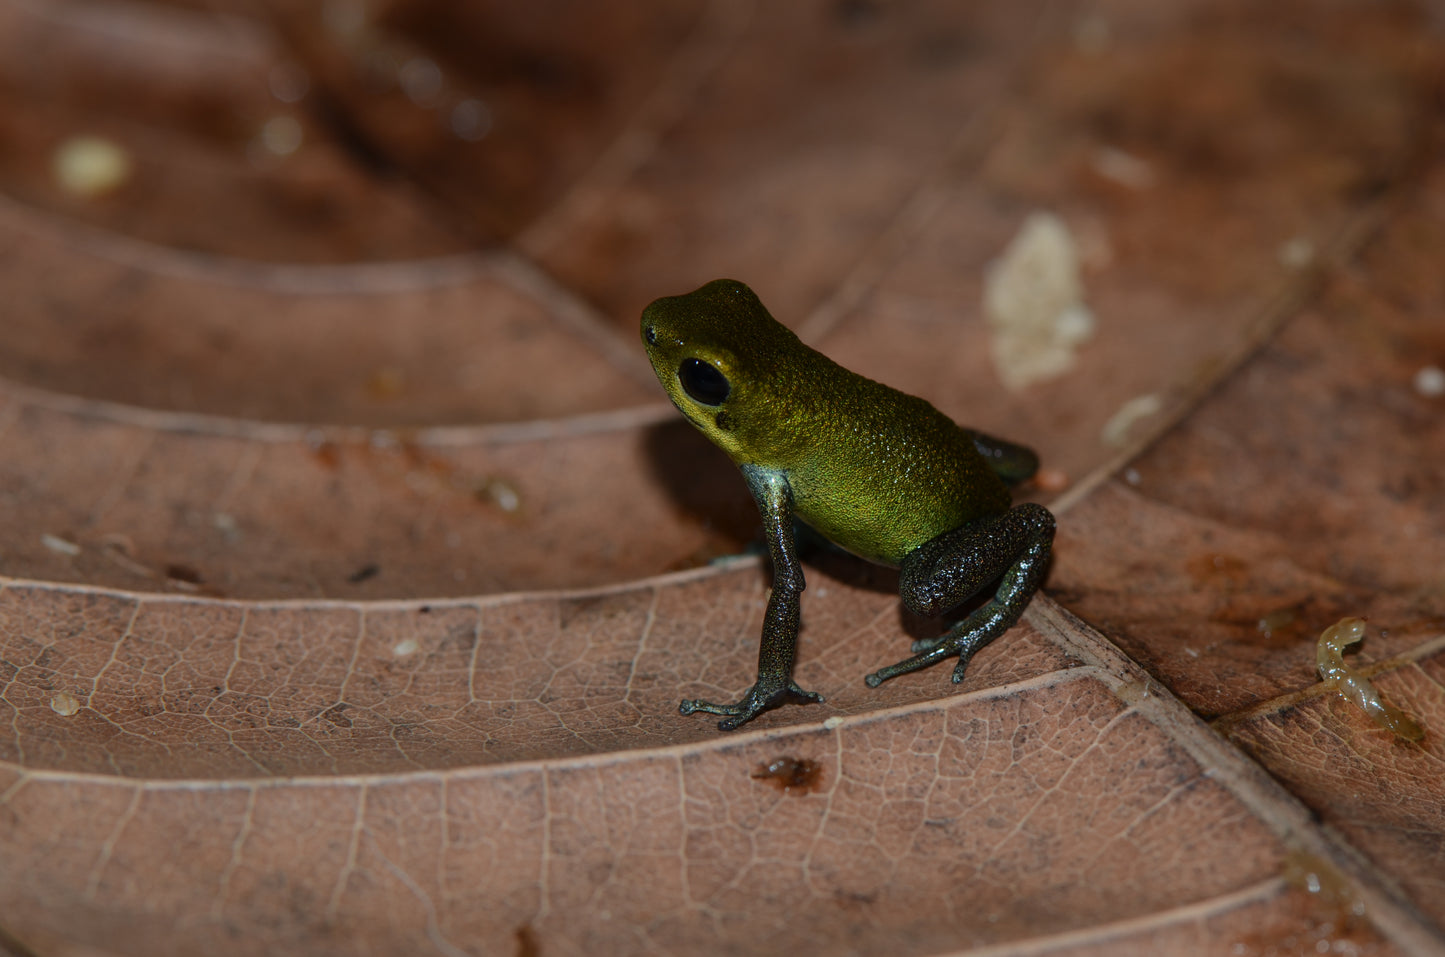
(706, 486)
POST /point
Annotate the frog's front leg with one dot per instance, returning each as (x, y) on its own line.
(779, 647)
(951, 569)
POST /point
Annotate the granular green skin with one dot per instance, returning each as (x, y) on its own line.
(879, 472)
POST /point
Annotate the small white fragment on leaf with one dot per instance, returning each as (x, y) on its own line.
(834, 722)
(90, 166)
(347, 20)
(471, 120)
(1430, 381)
(1123, 168)
(1132, 476)
(1092, 33)
(1115, 432)
(64, 704)
(405, 647)
(1317, 875)
(1297, 253)
(421, 80)
(226, 524)
(58, 544)
(500, 493)
(1034, 299)
(282, 135)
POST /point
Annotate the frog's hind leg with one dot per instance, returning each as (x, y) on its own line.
(951, 569)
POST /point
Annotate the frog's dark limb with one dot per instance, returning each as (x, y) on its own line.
(951, 568)
(1009, 461)
(779, 647)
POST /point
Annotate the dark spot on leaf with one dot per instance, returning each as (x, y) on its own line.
(363, 573)
(526, 941)
(327, 453)
(788, 774)
(1211, 570)
(183, 573)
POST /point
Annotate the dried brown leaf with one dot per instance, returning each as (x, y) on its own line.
(353, 572)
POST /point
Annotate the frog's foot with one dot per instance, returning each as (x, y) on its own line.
(963, 639)
(759, 698)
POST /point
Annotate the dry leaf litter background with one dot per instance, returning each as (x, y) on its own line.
(354, 567)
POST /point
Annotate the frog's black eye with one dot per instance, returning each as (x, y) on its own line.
(650, 334)
(703, 382)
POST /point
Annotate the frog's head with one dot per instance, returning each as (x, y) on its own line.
(723, 360)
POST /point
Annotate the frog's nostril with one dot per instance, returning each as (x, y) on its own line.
(650, 334)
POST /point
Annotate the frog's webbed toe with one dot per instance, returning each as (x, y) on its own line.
(925, 658)
(963, 639)
(754, 703)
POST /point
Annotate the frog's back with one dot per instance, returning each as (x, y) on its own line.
(881, 472)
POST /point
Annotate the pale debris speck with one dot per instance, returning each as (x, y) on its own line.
(471, 120)
(1297, 253)
(64, 704)
(834, 722)
(1092, 33)
(289, 82)
(500, 493)
(1430, 381)
(421, 79)
(346, 19)
(1034, 300)
(407, 646)
(1132, 476)
(1123, 168)
(282, 135)
(90, 166)
(57, 544)
(225, 523)
(1115, 432)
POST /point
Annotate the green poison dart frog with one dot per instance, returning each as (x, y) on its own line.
(883, 474)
